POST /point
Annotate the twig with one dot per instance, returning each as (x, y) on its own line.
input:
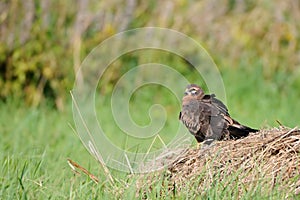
(75, 165)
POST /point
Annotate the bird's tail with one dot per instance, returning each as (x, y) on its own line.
(237, 130)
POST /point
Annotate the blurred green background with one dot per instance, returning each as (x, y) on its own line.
(255, 44)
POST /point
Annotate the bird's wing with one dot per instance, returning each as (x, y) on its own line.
(223, 111)
(235, 129)
(219, 117)
(217, 103)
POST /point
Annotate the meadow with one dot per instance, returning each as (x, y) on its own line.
(37, 141)
(254, 44)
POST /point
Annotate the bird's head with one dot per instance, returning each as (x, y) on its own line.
(193, 91)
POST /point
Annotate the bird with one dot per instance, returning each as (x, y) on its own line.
(208, 119)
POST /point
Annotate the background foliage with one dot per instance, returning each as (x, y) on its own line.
(44, 43)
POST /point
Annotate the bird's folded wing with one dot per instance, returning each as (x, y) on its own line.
(217, 103)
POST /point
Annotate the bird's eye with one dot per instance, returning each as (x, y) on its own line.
(193, 91)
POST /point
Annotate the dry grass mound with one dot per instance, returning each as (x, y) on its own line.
(269, 158)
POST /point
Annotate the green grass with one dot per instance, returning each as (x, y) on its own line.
(36, 142)
(34, 146)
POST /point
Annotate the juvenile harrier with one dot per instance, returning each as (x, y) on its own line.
(207, 118)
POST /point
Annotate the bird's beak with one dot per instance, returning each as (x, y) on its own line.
(186, 93)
